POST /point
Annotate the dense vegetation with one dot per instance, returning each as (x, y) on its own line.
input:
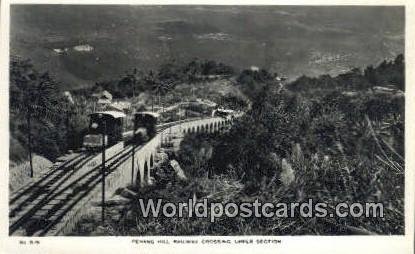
(387, 73)
(315, 138)
(161, 81)
(324, 144)
(341, 148)
(41, 116)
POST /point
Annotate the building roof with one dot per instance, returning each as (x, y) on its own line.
(104, 101)
(68, 96)
(254, 68)
(106, 94)
(103, 95)
(116, 107)
(121, 105)
(225, 110)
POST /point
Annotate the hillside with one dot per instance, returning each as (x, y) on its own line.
(58, 125)
(331, 142)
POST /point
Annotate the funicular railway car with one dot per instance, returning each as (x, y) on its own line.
(148, 121)
(224, 113)
(145, 126)
(116, 126)
(107, 123)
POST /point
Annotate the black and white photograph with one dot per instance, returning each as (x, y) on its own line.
(206, 120)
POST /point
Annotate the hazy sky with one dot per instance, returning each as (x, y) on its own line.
(83, 44)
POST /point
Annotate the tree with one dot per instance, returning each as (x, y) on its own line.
(161, 88)
(253, 82)
(33, 95)
(131, 84)
(150, 82)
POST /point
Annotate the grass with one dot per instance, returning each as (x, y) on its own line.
(19, 174)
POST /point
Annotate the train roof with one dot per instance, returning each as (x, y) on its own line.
(156, 115)
(113, 113)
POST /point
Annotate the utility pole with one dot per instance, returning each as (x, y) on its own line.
(69, 113)
(103, 169)
(134, 81)
(170, 131)
(133, 88)
(29, 137)
(161, 138)
(67, 123)
(133, 151)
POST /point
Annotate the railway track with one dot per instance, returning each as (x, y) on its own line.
(36, 209)
(81, 189)
(46, 178)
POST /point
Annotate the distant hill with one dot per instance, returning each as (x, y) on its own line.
(81, 45)
(387, 74)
